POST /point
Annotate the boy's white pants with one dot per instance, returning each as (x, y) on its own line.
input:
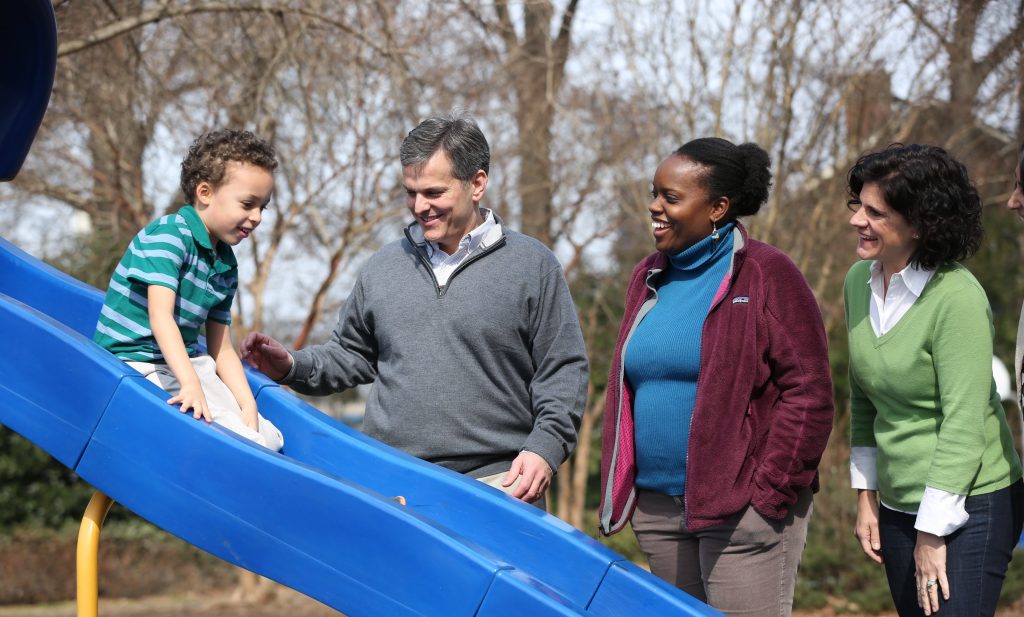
(222, 404)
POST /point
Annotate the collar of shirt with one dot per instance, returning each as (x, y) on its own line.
(224, 257)
(905, 287)
(484, 235)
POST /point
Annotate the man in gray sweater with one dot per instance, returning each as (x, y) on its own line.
(465, 327)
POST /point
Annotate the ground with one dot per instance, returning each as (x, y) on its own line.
(287, 602)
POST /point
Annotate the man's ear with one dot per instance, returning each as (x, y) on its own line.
(478, 184)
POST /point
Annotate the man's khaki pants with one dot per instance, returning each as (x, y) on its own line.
(496, 481)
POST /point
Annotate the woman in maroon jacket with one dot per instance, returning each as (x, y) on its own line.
(719, 402)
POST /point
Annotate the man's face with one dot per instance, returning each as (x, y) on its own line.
(446, 208)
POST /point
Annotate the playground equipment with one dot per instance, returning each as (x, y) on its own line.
(319, 516)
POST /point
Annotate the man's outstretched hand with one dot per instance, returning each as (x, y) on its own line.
(267, 355)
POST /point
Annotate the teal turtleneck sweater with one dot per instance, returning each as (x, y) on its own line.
(663, 361)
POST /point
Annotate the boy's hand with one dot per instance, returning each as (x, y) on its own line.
(250, 416)
(267, 355)
(191, 398)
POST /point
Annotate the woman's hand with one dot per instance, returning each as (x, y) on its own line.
(867, 524)
(930, 562)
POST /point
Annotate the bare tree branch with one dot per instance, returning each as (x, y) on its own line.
(1002, 49)
(918, 11)
(164, 10)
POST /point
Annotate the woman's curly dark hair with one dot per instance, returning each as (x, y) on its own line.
(210, 153)
(742, 173)
(933, 192)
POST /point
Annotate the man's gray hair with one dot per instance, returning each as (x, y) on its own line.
(458, 136)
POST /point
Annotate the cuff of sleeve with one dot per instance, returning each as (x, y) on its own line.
(548, 447)
(941, 513)
(863, 470)
(301, 365)
(771, 498)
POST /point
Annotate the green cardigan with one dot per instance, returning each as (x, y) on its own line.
(923, 393)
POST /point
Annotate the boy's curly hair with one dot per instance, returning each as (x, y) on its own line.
(210, 153)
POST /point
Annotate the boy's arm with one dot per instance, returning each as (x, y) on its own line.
(172, 347)
(229, 369)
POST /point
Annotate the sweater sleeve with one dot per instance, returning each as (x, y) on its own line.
(862, 410)
(798, 360)
(347, 360)
(559, 386)
(962, 356)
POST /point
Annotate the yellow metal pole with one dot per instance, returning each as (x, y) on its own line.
(88, 554)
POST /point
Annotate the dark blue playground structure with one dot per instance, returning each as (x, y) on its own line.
(318, 517)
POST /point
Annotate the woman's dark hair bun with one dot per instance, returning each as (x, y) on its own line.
(741, 173)
(758, 181)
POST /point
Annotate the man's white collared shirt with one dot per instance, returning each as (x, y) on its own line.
(483, 236)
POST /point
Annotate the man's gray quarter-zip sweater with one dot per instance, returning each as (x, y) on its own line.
(465, 376)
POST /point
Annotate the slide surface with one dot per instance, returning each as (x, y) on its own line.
(319, 516)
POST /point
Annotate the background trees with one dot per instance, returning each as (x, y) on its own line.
(580, 101)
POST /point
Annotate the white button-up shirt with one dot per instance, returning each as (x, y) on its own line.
(941, 513)
(483, 236)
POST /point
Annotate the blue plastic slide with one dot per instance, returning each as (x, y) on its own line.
(318, 517)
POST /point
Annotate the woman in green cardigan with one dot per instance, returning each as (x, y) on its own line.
(940, 498)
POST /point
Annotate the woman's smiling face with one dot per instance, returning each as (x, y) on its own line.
(682, 212)
(882, 233)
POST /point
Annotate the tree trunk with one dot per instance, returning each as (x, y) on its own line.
(537, 65)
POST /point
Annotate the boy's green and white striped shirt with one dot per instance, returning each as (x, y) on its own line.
(173, 251)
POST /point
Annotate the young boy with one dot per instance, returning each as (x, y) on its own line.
(180, 273)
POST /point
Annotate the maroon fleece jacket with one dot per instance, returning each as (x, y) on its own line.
(764, 407)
